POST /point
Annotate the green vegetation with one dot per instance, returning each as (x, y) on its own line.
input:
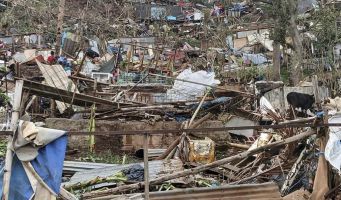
(3, 147)
(325, 29)
(5, 98)
(109, 157)
(285, 75)
(249, 73)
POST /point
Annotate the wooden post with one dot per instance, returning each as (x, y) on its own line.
(9, 154)
(95, 87)
(177, 141)
(13, 45)
(17, 70)
(39, 40)
(5, 65)
(53, 107)
(316, 92)
(146, 167)
(60, 25)
(282, 100)
(79, 69)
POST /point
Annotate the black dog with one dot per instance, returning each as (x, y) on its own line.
(300, 100)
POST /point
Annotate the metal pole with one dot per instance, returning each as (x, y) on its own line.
(146, 167)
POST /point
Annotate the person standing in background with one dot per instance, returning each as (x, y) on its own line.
(52, 59)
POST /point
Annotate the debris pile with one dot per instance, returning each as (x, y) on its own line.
(172, 100)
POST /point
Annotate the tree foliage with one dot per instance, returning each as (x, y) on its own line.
(325, 29)
(281, 15)
(92, 17)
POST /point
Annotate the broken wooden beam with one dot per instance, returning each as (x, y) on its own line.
(240, 146)
(66, 96)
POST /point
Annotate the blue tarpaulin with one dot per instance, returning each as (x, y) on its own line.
(48, 164)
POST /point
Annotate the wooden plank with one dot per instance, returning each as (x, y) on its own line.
(56, 76)
(231, 167)
(222, 172)
(146, 167)
(49, 81)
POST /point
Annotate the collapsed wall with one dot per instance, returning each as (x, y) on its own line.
(129, 142)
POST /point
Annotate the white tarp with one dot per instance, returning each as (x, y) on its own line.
(256, 59)
(333, 148)
(265, 106)
(28, 55)
(182, 91)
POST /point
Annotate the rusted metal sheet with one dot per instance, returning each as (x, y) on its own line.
(264, 191)
(249, 191)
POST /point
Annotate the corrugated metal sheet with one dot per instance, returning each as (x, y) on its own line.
(156, 168)
(156, 12)
(73, 166)
(264, 191)
(71, 43)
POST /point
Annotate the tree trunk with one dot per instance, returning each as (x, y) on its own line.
(295, 75)
(60, 25)
(276, 76)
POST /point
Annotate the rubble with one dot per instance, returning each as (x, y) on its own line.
(170, 100)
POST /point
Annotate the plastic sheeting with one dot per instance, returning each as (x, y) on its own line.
(48, 165)
(189, 91)
(265, 106)
(256, 59)
(333, 148)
